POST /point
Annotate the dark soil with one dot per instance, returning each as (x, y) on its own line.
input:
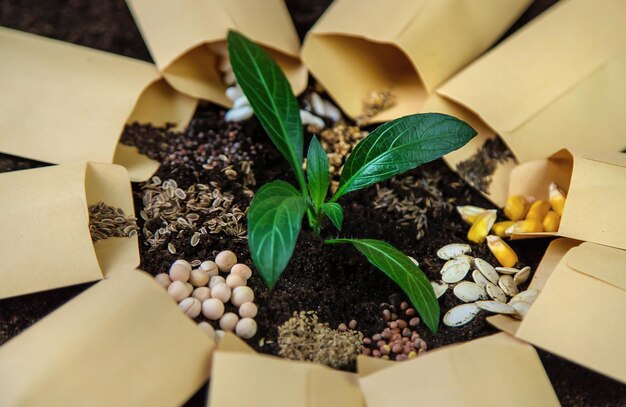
(335, 281)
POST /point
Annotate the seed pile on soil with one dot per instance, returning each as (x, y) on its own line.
(106, 221)
(479, 168)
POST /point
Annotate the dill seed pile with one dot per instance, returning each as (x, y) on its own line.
(374, 103)
(478, 169)
(106, 221)
(338, 142)
(304, 338)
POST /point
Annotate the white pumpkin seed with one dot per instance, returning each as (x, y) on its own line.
(507, 270)
(495, 292)
(454, 270)
(496, 307)
(479, 279)
(508, 286)
(461, 314)
(487, 270)
(522, 276)
(521, 307)
(450, 251)
(439, 288)
(469, 292)
(528, 296)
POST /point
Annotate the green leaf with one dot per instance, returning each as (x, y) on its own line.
(271, 98)
(399, 146)
(404, 272)
(274, 221)
(318, 172)
(334, 211)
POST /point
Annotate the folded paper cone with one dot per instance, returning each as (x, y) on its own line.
(409, 48)
(65, 103)
(121, 342)
(46, 242)
(182, 37)
(550, 85)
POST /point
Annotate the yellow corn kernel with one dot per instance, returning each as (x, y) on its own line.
(516, 207)
(499, 228)
(470, 213)
(525, 226)
(481, 227)
(502, 251)
(551, 222)
(557, 199)
(538, 211)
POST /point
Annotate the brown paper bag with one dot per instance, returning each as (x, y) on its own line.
(596, 194)
(121, 342)
(579, 314)
(179, 35)
(64, 103)
(493, 371)
(408, 47)
(550, 85)
(45, 241)
(274, 381)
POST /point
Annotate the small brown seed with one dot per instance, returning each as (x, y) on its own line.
(342, 327)
(376, 353)
(414, 321)
(352, 324)
(401, 358)
(385, 349)
(367, 351)
(393, 325)
(406, 332)
(404, 305)
(410, 312)
(367, 341)
(401, 323)
(386, 315)
(397, 348)
(380, 343)
(377, 337)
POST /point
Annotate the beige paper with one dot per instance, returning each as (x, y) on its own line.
(64, 103)
(408, 47)
(493, 371)
(565, 92)
(596, 193)
(46, 242)
(272, 381)
(179, 35)
(121, 342)
(579, 314)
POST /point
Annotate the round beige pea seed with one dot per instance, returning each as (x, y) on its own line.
(210, 267)
(222, 292)
(246, 328)
(199, 278)
(225, 260)
(228, 321)
(216, 280)
(235, 280)
(189, 288)
(241, 295)
(219, 334)
(241, 269)
(183, 263)
(213, 309)
(201, 294)
(178, 291)
(190, 306)
(207, 329)
(180, 271)
(163, 279)
(248, 310)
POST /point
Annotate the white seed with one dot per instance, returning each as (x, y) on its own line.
(207, 329)
(221, 292)
(522, 308)
(189, 288)
(177, 290)
(454, 270)
(245, 328)
(242, 295)
(309, 118)
(317, 104)
(229, 77)
(332, 111)
(242, 270)
(414, 261)
(190, 306)
(210, 267)
(469, 292)
(528, 296)
(495, 292)
(480, 279)
(508, 286)
(450, 251)
(228, 321)
(233, 93)
(216, 280)
(225, 260)
(439, 288)
(507, 270)
(487, 270)
(522, 276)
(248, 310)
(180, 271)
(163, 279)
(199, 278)
(241, 101)
(184, 263)
(461, 314)
(496, 306)
(239, 114)
(201, 293)
(212, 309)
(235, 280)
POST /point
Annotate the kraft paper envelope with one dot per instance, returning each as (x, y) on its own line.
(408, 47)
(558, 82)
(122, 342)
(555, 252)
(274, 381)
(497, 370)
(45, 241)
(580, 312)
(61, 102)
(596, 193)
(179, 35)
